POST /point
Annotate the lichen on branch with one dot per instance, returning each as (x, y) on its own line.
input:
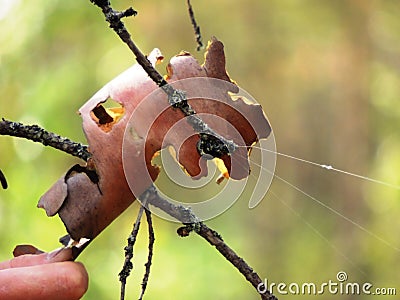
(40, 135)
(176, 98)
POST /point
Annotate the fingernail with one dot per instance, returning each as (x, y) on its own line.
(51, 255)
(60, 254)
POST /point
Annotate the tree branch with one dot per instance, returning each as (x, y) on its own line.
(150, 255)
(114, 19)
(178, 100)
(196, 27)
(3, 180)
(40, 135)
(150, 196)
(192, 223)
(216, 146)
(215, 239)
(127, 267)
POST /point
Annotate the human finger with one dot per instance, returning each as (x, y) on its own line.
(58, 255)
(61, 280)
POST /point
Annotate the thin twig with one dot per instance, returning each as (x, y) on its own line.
(215, 239)
(150, 255)
(196, 27)
(3, 180)
(114, 19)
(191, 222)
(180, 213)
(216, 145)
(178, 100)
(127, 267)
(40, 135)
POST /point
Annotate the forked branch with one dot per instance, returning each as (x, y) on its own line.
(180, 213)
(218, 145)
(178, 100)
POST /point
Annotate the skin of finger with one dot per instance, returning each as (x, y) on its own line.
(58, 255)
(62, 281)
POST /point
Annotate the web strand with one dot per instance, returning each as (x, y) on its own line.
(331, 168)
(318, 233)
(362, 228)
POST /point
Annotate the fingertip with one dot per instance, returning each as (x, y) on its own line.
(80, 280)
(61, 280)
(76, 279)
(59, 255)
(24, 259)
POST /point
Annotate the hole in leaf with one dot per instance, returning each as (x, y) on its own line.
(107, 114)
(101, 114)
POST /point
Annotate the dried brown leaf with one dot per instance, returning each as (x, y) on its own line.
(87, 205)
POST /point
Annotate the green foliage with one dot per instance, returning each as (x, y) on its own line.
(327, 75)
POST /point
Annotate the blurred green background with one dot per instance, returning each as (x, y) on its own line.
(327, 75)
